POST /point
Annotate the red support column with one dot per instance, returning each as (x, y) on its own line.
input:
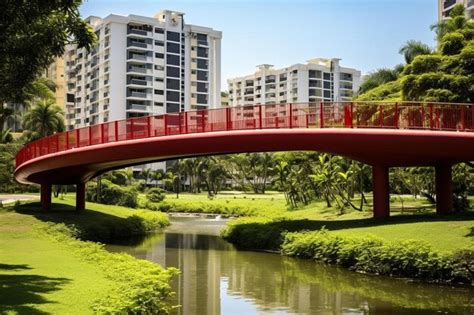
(444, 189)
(381, 191)
(46, 197)
(80, 196)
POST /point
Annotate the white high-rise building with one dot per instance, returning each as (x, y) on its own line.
(317, 80)
(142, 66)
(445, 7)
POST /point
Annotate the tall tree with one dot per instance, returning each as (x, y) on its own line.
(32, 34)
(413, 48)
(377, 78)
(44, 119)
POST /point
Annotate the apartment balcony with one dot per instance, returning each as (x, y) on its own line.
(138, 107)
(134, 31)
(138, 57)
(138, 94)
(138, 82)
(139, 70)
(136, 44)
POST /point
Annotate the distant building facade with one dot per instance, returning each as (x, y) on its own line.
(445, 7)
(142, 66)
(317, 80)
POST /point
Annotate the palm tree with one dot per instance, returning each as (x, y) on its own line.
(44, 119)
(40, 89)
(457, 21)
(146, 173)
(414, 48)
(379, 77)
(6, 136)
(5, 113)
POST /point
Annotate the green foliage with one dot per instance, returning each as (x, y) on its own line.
(378, 78)
(155, 195)
(452, 43)
(409, 258)
(445, 75)
(43, 119)
(8, 184)
(113, 194)
(142, 287)
(32, 34)
(387, 92)
(414, 48)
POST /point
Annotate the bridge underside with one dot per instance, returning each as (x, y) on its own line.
(381, 148)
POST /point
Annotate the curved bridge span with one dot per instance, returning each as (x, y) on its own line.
(380, 134)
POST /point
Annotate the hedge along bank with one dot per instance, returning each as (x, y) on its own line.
(367, 254)
(142, 287)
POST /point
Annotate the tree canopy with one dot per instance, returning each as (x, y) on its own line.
(444, 75)
(32, 34)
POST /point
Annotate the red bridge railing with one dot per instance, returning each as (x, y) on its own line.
(404, 115)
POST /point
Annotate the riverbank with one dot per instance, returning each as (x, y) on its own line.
(395, 247)
(46, 267)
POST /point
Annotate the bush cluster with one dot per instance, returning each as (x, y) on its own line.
(113, 229)
(142, 287)
(112, 194)
(155, 195)
(409, 258)
(197, 207)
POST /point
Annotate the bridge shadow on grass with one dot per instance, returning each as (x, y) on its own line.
(19, 293)
(91, 225)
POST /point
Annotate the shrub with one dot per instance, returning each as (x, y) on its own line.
(409, 258)
(155, 195)
(112, 194)
(141, 287)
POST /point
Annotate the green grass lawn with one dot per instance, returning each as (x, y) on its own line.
(44, 271)
(418, 221)
(38, 276)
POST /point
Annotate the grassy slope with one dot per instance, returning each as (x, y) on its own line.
(444, 233)
(40, 276)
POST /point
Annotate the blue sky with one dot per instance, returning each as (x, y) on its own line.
(365, 34)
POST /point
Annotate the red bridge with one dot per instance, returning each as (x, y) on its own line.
(380, 134)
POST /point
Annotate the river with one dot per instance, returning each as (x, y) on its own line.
(217, 279)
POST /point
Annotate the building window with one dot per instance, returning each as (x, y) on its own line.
(172, 108)
(159, 30)
(327, 76)
(327, 84)
(172, 48)
(202, 52)
(172, 72)
(158, 79)
(202, 75)
(159, 43)
(346, 76)
(172, 84)
(202, 64)
(159, 55)
(202, 99)
(158, 67)
(159, 104)
(172, 60)
(202, 87)
(173, 36)
(159, 92)
(172, 96)
(315, 74)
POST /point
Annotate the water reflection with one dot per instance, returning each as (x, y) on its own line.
(215, 278)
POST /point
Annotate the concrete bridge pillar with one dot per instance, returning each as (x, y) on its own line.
(80, 196)
(444, 189)
(46, 197)
(381, 191)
